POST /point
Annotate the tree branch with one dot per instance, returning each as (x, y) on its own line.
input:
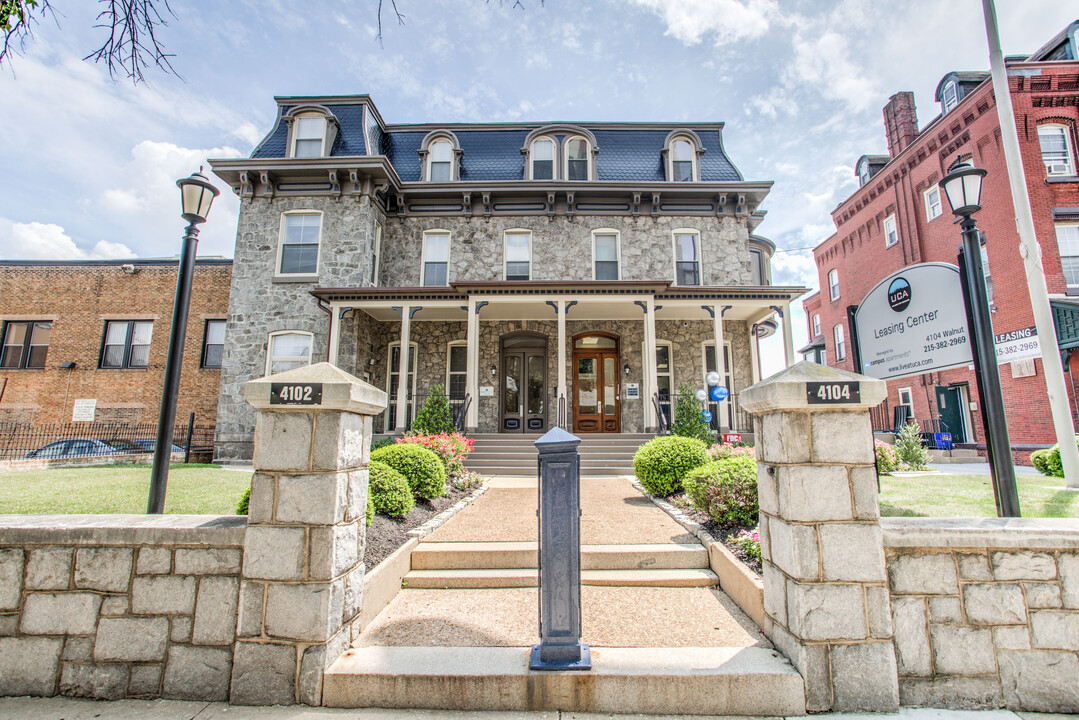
(132, 43)
(400, 18)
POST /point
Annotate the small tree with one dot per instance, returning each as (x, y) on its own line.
(435, 416)
(908, 445)
(687, 416)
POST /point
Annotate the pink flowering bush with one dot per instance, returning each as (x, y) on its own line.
(466, 480)
(749, 542)
(887, 457)
(452, 448)
(719, 451)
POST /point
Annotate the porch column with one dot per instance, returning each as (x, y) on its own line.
(335, 336)
(788, 334)
(717, 325)
(472, 367)
(650, 361)
(402, 370)
(562, 390)
(754, 363)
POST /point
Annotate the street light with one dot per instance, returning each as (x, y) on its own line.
(963, 186)
(196, 195)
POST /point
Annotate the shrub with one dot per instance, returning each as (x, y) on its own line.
(887, 458)
(908, 446)
(241, 507)
(1053, 466)
(687, 417)
(370, 509)
(452, 448)
(1040, 460)
(466, 479)
(435, 417)
(726, 490)
(381, 443)
(726, 450)
(661, 462)
(388, 490)
(421, 467)
(749, 542)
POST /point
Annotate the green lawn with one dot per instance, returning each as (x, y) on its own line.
(941, 495)
(192, 490)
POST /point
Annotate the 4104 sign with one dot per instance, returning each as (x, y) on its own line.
(843, 392)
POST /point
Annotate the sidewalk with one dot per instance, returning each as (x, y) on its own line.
(977, 469)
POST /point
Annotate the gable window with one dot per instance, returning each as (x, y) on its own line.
(891, 236)
(682, 160)
(816, 325)
(213, 344)
(833, 284)
(1056, 150)
(840, 342)
(127, 344)
(441, 159)
(456, 369)
(951, 96)
(577, 159)
(436, 258)
(1068, 245)
(543, 159)
(931, 198)
(687, 258)
(299, 243)
(605, 253)
(25, 345)
(309, 135)
(518, 255)
(289, 349)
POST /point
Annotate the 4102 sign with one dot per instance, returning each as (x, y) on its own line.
(842, 392)
(295, 393)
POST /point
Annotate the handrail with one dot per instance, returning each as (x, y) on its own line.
(664, 423)
(462, 412)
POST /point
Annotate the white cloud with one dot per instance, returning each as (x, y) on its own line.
(46, 241)
(690, 21)
(250, 133)
(824, 61)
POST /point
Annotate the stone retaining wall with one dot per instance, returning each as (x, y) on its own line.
(112, 606)
(986, 612)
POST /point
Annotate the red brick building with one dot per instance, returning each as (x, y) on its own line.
(99, 330)
(899, 217)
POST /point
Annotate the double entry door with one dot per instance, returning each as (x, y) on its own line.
(524, 374)
(595, 377)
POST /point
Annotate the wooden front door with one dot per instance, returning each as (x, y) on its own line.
(597, 388)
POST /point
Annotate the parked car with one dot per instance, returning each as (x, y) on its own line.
(149, 445)
(77, 447)
(126, 447)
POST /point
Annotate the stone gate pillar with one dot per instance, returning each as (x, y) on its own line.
(303, 568)
(825, 585)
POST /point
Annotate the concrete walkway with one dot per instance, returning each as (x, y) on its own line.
(978, 469)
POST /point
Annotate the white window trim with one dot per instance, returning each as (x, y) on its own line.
(505, 251)
(929, 216)
(694, 149)
(815, 320)
(617, 247)
(378, 254)
(281, 244)
(270, 339)
(1060, 255)
(296, 133)
(838, 293)
(895, 230)
(944, 96)
(449, 252)
(431, 159)
(587, 155)
(1069, 168)
(674, 255)
(554, 156)
(910, 399)
(838, 345)
(390, 370)
(449, 345)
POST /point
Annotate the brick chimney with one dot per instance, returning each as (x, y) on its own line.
(900, 121)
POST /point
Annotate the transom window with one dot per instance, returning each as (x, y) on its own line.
(441, 158)
(310, 131)
(127, 344)
(687, 258)
(288, 350)
(577, 159)
(1068, 245)
(833, 284)
(1056, 150)
(606, 255)
(299, 243)
(25, 345)
(543, 159)
(213, 344)
(436, 258)
(518, 255)
(840, 342)
(682, 156)
(931, 197)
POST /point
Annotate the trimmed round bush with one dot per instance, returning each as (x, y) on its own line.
(662, 462)
(245, 499)
(422, 468)
(725, 489)
(1040, 460)
(370, 509)
(388, 490)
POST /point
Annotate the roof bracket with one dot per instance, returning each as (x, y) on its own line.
(636, 202)
(655, 203)
(266, 178)
(247, 184)
(335, 186)
(466, 200)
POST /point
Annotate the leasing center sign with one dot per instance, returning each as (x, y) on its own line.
(913, 322)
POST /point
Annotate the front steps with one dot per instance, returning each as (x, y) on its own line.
(955, 455)
(515, 454)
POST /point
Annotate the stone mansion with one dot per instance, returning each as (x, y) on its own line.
(545, 274)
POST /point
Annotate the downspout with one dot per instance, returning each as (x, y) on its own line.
(329, 311)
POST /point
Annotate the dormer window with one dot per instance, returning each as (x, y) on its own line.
(863, 172)
(951, 95)
(440, 157)
(577, 159)
(543, 159)
(682, 152)
(441, 161)
(310, 134)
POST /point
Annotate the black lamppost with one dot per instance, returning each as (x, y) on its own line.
(963, 186)
(196, 195)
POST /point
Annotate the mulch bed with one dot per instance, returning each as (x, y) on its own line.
(719, 532)
(386, 534)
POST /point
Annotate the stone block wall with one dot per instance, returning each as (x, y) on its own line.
(986, 612)
(114, 606)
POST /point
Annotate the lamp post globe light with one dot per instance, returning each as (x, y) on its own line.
(197, 193)
(963, 187)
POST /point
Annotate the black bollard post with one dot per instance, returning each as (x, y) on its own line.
(559, 512)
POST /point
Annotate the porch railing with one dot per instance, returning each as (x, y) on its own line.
(461, 414)
(664, 422)
(881, 417)
(414, 403)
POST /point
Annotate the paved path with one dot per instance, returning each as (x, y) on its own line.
(978, 469)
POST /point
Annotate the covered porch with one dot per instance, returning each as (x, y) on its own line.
(523, 357)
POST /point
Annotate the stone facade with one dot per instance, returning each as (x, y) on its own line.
(114, 606)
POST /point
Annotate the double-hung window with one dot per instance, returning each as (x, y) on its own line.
(289, 350)
(25, 345)
(606, 255)
(299, 244)
(931, 197)
(1056, 150)
(816, 325)
(840, 342)
(951, 96)
(891, 235)
(687, 258)
(682, 161)
(577, 159)
(436, 258)
(518, 255)
(213, 344)
(543, 159)
(127, 344)
(664, 377)
(1068, 245)
(441, 161)
(456, 372)
(833, 284)
(309, 135)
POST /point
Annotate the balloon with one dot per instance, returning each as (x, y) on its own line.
(706, 416)
(701, 396)
(712, 378)
(719, 393)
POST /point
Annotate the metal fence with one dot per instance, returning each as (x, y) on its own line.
(82, 439)
(881, 416)
(386, 421)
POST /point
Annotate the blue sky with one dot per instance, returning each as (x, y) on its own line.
(800, 85)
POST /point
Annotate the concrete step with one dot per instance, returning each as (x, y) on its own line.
(586, 462)
(527, 577)
(495, 555)
(713, 681)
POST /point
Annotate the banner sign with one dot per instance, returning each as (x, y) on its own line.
(913, 322)
(1017, 345)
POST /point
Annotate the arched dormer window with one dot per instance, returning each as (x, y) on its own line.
(312, 130)
(577, 159)
(560, 152)
(542, 159)
(950, 95)
(683, 150)
(440, 155)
